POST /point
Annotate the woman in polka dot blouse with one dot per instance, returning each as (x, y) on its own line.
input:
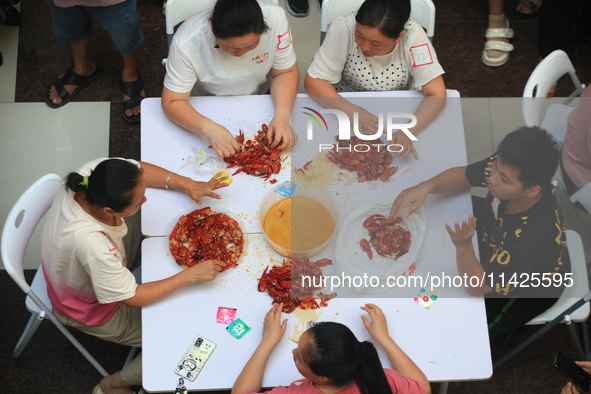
(379, 48)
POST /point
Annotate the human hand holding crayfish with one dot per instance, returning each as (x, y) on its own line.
(280, 134)
(462, 236)
(273, 328)
(196, 190)
(222, 141)
(205, 271)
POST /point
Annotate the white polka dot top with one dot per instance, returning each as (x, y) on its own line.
(340, 61)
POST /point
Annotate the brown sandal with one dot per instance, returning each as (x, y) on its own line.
(532, 5)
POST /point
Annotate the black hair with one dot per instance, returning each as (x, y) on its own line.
(533, 152)
(237, 18)
(388, 16)
(334, 352)
(111, 184)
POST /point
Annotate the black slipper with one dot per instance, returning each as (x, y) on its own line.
(69, 78)
(133, 90)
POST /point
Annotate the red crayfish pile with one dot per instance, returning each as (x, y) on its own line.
(370, 165)
(206, 235)
(257, 157)
(278, 282)
(387, 237)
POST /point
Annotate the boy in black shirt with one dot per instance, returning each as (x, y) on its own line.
(520, 229)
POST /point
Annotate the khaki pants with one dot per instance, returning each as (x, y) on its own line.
(124, 327)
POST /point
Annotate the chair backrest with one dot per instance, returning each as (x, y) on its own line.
(422, 11)
(179, 10)
(554, 66)
(583, 196)
(21, 222)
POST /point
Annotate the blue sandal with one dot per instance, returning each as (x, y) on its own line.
(69, 78)
(133, 90)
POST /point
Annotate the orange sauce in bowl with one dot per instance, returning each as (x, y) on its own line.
(298, 223)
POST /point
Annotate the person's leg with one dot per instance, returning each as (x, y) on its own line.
(83, 65)
(496, 20)
(507, 315)
(124, 327)
(129, 74)
(122, 24)
(72, 27)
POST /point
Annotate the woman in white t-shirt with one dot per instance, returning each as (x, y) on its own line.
(242, 47)
(84, 259)
(377, 49)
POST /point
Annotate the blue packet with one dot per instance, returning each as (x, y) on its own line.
(286, 188)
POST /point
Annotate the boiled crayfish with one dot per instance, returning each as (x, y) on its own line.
(387, 237)
(281, 280)
(369, 165)
(257, 157)
(206, 235)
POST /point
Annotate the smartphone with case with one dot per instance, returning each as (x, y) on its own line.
(195, 358)
(577, 374)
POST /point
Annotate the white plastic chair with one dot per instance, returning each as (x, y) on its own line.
(571, 307)
(179, 10)
(555, 120)
(422, 11)
(554, 66)
(20, 224)
(583, 197)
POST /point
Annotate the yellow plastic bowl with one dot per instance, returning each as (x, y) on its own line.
(303, 189)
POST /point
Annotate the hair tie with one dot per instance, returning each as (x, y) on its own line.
(84, 182)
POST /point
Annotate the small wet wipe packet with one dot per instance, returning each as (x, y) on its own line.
(238, 328)
(425, 298)
(286, 188)
(195, 358)
(225, 173)
(226, 315)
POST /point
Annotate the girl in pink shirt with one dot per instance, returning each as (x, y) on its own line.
(332, 360)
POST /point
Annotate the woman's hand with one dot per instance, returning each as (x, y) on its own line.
(280, 134)
(273, 328)
(570, 388)
(462, 236)
(402, 139)
(368, 123)
(222, 141)
(205, 271)
(378, 327)
(196, 190)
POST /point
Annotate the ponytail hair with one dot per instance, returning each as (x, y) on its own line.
(237, 18)
(388, 16)
(111, 184)
(334, 352)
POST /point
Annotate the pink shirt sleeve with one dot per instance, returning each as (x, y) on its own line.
(400, 384)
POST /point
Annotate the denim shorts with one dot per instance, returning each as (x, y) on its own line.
(73, 24)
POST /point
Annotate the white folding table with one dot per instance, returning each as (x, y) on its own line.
(449, 341)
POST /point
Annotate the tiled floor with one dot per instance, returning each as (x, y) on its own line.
(50, 364)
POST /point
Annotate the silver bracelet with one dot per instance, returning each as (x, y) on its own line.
(167, 179)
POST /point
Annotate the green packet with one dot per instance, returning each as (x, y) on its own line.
(238, 328)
